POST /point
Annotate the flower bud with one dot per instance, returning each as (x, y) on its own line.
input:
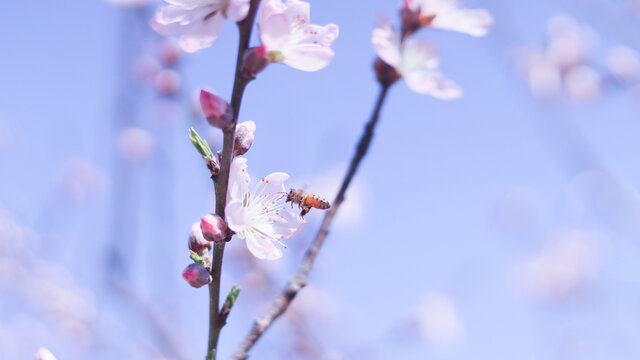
(44, 354)
(254, 61)
(244, 137)
(216, 110)
(385, 73)
(410, 19)
(213, 228)
(196, 275)
(197, 243)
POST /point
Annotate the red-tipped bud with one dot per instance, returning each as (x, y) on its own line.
(197, 243)
(196, 275)
(44, 354)
(244, 137)
(254, 61)
(410, 19)
(385, 73)
(213, 228)
(216, 110)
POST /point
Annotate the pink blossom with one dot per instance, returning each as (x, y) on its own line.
(289, 38)
(261, 216)
(415, 60)
(44, 354)
(447, 15)
(198, 21)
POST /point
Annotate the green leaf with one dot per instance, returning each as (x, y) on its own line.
(232, 297)
(200, 144)
(196, 258)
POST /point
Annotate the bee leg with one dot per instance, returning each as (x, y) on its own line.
(305, 211)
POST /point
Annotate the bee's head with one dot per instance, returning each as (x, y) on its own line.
(291, 195)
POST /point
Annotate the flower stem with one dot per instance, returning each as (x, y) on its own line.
(221, 181)
(299, 280)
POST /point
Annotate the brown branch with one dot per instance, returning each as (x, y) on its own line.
(221, 181)
(299, 280)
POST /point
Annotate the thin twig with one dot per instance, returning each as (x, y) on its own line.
(299, 280)
(221, 181)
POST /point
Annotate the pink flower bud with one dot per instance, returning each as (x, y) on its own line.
(44, 354)
(197, 243)
(254, 61)
(213, 228)
(216, 110)
(196, 275)
(385, 73)
(244, 137)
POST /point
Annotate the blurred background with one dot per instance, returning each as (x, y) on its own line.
(503, 225)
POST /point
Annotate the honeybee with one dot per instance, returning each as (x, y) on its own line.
(306, 201)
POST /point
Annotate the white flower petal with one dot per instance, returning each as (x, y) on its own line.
(432, 83)
(289, 223)
(270, 185)
(236, 216)
(298, 12)
(237, 10)
(261, 247)
(308, 57)
(475, 22)
(274, 32)
(417, 54)
(386, 42)
(202, 35)
(238, 180)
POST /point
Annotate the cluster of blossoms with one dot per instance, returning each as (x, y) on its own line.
(566, 64)
(401, 55)
(286, 34)
(259, 216)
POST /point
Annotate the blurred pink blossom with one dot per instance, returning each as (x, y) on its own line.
(438, 319)
(623, 63)
(289, 38)
(415, 60)
(167, 81)
(582, 83)
(261, 216)
(144, 70)
(44, 354)
(562, 268)
(135, 144)
(198, 21)
(448, 15)
(569, 43)
(80, 180)
(169, 51)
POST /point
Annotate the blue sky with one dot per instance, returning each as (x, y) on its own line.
(437, 205)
